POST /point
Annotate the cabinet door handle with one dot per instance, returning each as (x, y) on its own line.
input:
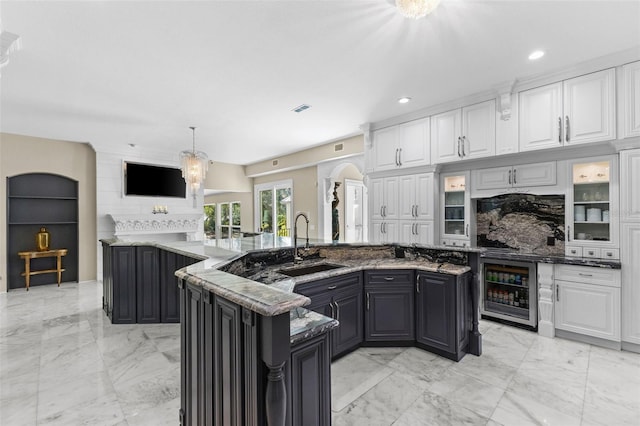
(459, 155)
(557, 292)
(585, 275)
(509, 178)
(418, 284)
(464, 138)
(389, 278)
(400, 157)
(566, 129)
(367, 301)
(514, 176)
(333, 311)
(467, 230)
(381, 211)
(332, 287)
(559, 129)
(337, 310)
(396, 156)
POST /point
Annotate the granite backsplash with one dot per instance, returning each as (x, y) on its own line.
(523, 222)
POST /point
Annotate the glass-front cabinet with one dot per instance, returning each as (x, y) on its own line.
(455, 205)
(592, 206)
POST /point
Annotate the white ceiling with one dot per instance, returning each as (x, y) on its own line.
(120, 72)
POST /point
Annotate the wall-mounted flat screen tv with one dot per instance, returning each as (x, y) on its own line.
(154, 181)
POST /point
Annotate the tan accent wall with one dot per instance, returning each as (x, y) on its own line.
(309, 157)
(305, 193)
(25, 154)
(349, 172)
(227, 177)
(246, 206)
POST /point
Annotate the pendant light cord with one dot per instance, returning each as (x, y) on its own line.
(193, 129)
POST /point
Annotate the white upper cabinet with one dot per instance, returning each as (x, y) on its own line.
(385, 148)
(402, 146)
(523, 175)
(576, 111)
(413, 143)
(630, 185)
(465, 133)
(630, 100)
(540, 122)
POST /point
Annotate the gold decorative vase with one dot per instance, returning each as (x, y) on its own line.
(42, 239)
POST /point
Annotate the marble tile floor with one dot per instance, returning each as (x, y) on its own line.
(63, 363)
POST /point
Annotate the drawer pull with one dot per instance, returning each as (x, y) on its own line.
(591, 252)
(609, 254)
(389, 278)
(574, 251)
(585, 275)
(332, 287)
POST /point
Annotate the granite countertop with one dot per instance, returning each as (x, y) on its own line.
(272, 276)
(306, 324)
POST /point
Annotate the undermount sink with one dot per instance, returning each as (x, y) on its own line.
(297, 271)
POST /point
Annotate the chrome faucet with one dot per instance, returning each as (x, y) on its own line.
(296, 257)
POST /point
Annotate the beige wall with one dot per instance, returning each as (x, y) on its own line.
(309, 157)
(305, 190)
(246, 206)
(349, 172)
(227, 177)
(25, 154)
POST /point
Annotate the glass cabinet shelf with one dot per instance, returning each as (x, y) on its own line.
(591, 201)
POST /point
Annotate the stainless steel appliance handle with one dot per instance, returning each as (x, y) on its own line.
(566, 129)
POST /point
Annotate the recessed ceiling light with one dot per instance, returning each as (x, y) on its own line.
(133, 145)
(536, 54)
(404, 100)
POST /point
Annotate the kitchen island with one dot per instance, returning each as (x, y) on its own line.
(244, 359)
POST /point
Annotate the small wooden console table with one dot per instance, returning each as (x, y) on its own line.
(28, 255)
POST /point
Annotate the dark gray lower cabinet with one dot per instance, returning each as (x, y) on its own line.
(309, 383)
(223, 373)
(139, 284)
(123, 285)
(340, 298)
(443, 313)
(147, 285)
(389, 306)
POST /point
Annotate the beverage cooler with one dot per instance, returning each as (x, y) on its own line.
(509, 291)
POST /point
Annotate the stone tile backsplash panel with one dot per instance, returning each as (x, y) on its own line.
(524, 222)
